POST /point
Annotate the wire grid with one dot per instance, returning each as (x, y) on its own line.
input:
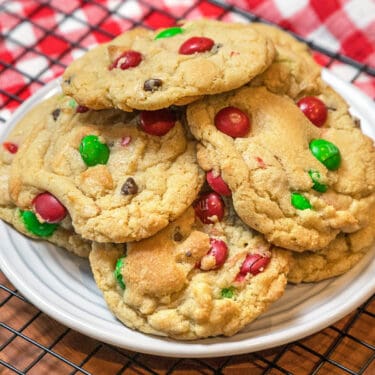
(47, 347)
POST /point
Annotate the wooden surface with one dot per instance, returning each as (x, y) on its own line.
(346, 347)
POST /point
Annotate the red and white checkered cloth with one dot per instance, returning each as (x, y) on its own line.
(344, 26)
(40, 37)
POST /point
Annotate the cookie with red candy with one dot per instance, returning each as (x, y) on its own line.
(118, 176)
(298, 182)
(193, 279)
(295, 73)
(150, 70)
(47, 218)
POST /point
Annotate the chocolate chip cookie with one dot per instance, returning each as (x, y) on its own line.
(27, 221)
(195, 278)
(298, 181)
(293, 72)
(121, 176)
(149, 70)
(342, 254)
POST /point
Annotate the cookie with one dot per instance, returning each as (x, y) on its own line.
(191, 280)
(149, 70)
(121, 176)
(295, 182)
(342, 254)
(296, 74)
(293, 72)
(27, 222)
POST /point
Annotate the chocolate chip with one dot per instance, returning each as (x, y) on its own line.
(188, 254)
(177, 236)
(56, 113)
(68, 80)
(129, 187)
(277, 158)
(152, 84)
(357, 121)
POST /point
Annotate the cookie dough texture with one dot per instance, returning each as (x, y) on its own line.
(164, 170)
(263, 168)
(64, 236)
(166, 294)
(342, 254)
(239, 54)
(293, 71)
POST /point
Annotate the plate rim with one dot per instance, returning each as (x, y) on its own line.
(200, 348)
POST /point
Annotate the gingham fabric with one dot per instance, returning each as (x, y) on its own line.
(39, 38)
(345, 26)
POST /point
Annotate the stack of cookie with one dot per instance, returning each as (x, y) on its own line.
(200, 168)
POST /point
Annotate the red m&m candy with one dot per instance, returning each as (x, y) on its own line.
(314, 109)
(128, 59)
(219, 250)
(207, 206)
(82, 109)
(10, 147)
(196, 44)
(254, 264)
(218, 184)
(233, 122)
(158, 122)
(49, 208)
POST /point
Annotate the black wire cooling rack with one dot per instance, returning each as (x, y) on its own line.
(33, 343)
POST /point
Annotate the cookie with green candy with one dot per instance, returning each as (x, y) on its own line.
(150, 70)
(120, 176)
(297, 183)
(205, 274)
(47, 218)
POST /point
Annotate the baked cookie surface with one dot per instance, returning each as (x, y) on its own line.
(173, 284)
(149, 70)
(293, 72)
(281, 184)
(342, 254)
(63, 234)
(117, 181)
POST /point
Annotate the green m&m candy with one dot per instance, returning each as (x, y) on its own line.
(118, 272)
(34, 226)
(300, 202)
(93, 151)
(227, 292)
(326, 152)
(315, 177)
(72, 103)
(168, 33)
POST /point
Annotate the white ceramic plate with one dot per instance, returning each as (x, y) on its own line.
(62, 285)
